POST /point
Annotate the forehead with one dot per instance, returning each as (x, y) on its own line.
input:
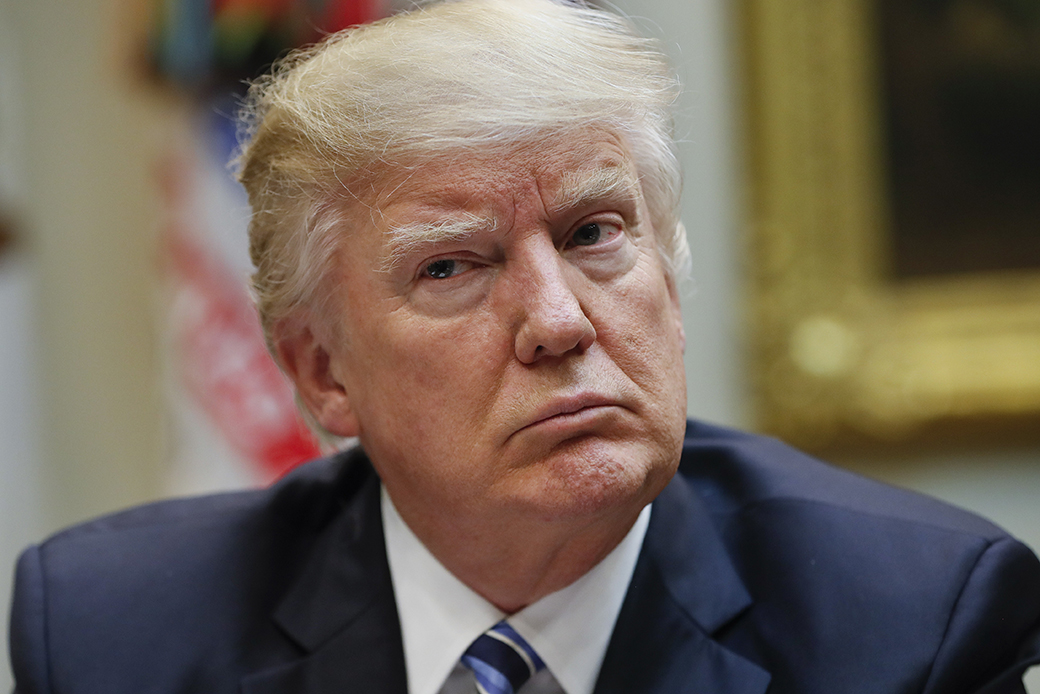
(558, 172)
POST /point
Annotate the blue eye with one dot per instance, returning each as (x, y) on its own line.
(587, 235)
(441, 269)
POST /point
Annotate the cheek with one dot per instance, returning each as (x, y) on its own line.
(643, 315)
(429, 415)
(642, 331)
(438, 375)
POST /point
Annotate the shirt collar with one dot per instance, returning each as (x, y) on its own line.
(441, 616)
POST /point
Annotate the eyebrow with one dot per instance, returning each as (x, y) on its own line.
(578, 189)
(583, 188)
(406, 238)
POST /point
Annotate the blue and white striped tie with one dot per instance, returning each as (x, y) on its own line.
(501, 660)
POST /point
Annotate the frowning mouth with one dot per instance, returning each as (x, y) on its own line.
(575, 411)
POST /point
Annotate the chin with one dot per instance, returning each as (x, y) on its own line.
(593, 480)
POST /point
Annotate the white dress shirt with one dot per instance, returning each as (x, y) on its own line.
(441, 616)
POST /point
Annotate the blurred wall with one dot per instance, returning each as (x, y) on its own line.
(77, 300)
(89, 142)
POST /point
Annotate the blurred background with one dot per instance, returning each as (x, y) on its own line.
(130, 367)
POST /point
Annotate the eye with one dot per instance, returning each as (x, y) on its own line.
(592, 233)
(587, 235)
(443, 268)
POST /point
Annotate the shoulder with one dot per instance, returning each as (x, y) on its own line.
(779, 508)
(193, 529)
(735, 472)
(193, 578)
(868, 572)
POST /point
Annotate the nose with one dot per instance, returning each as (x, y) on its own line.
(552, 320)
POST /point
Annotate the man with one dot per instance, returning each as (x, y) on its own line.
(467, 249)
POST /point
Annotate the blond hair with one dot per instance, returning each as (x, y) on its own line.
(443, 79)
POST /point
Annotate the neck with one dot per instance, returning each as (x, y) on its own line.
(513, 563)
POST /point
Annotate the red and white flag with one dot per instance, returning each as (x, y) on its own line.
(234, 419)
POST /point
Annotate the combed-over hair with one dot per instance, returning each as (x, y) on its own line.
(444, 79)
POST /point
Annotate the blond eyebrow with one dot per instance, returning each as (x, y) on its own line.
(582, 188)
(406, 238)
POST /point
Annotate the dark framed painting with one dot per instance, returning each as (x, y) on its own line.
(961, 117)
(893, 217)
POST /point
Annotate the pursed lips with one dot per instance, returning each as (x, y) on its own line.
(561, 408)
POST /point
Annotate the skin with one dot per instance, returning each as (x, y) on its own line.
(519, 384)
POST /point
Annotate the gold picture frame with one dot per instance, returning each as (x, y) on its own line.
(842, 356)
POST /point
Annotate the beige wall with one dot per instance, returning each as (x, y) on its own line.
(89, 146)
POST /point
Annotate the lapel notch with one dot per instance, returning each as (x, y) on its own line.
(683, 592)
(341, 611)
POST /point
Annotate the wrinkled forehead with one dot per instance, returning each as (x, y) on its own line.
(565, 171)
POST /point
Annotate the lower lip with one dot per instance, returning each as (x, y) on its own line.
(574, 423)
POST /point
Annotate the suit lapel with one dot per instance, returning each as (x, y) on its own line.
(340, 613)
(684, 590)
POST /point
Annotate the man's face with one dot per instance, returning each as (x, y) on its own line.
(511, 345)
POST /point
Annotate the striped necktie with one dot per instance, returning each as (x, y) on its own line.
(501, 660)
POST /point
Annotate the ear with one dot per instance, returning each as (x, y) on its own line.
(310, 366)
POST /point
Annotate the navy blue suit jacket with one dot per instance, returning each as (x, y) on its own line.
(762, 570)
